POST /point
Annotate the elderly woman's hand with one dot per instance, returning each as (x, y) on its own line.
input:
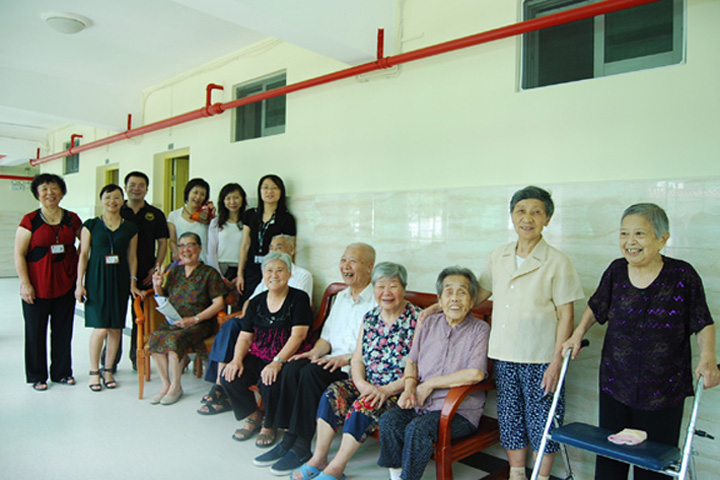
(422, 392)
(270, 373)
(407, 399)
(232, 370)
(187, 322)
(707, 367)
(551, 377)
(377, 397)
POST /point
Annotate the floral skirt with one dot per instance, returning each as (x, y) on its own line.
(169, 338)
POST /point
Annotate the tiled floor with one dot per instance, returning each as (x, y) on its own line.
(72, 433)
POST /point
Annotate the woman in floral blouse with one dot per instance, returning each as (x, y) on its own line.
(377, 367)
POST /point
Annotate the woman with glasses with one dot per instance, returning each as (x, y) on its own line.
(270, 218)
(195, 290)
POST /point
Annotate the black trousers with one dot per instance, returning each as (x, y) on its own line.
(301, 385)
(662, 426)
(60, 312)
(241, 398)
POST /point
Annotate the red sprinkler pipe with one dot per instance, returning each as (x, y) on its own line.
(380, 43)
(560, 18)
(129, 121)
(72, 143)
(16, 177)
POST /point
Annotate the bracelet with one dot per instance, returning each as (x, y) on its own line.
(411, 377)
(133, 277)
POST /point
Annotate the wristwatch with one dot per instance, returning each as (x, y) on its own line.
(197, 319)
(277, 358)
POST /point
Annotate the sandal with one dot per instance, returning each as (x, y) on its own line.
(67, 381)
(95, 387)
(265, 440)
(109, 384)
(242, 434)
(215, 395)
(40, 386)
(211, 408)
(308, 472)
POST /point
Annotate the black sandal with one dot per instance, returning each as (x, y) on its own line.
(40, 386)
(215, 395)
(67, 381)
(211, 408)
(109, 384)
(95, 387)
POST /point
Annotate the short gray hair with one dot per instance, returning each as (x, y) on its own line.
(458, 270)
(389, 270)
(194, 235)
(277, 256)
(286, 237)
(654, 214)
(536, 193)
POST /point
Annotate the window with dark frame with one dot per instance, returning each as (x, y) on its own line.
(72, 162)
(638, 38)
(264, 118)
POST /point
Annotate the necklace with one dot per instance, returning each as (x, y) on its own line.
(111, 224)
(50, 220)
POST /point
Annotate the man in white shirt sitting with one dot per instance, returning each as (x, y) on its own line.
(305, 377)
(223, 345)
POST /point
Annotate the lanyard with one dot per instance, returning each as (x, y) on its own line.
(111, 236)
(263, 230)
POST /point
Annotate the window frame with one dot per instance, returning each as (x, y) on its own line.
(530, 63)
(71, 163)
(259, 85)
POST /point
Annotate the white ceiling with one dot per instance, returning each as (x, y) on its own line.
(95, 77)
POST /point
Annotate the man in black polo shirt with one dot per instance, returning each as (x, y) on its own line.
(152, 240)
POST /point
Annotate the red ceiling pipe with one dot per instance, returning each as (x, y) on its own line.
(129, 121)
(72, 143)
(38, 152)
(16, 177)
(208, 92)
(560, 18)
(380, 43)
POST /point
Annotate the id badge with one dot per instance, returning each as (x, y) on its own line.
(112, 259)
(57, 248)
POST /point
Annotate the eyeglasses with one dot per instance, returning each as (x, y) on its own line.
(187, 245)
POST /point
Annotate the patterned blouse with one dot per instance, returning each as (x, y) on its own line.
(384, 348)
(193, 294)
(646, 361)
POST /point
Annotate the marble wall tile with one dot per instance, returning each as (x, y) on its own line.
(427, 230)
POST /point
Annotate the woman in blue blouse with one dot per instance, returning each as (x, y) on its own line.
(651, 304)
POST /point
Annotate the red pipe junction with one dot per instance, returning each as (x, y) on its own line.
(560, 18)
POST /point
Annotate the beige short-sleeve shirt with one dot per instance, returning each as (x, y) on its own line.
(524, 321)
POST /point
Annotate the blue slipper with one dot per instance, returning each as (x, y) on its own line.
(308, 472)
(325, 476)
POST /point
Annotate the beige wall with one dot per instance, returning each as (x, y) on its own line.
(442, 144)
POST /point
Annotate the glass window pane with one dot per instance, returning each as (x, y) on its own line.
(565, 53)
(639, 31)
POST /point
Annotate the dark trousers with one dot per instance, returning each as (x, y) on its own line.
(662, 426)
(301, 386)
(60, 311)
(241, 398)
(407, 438)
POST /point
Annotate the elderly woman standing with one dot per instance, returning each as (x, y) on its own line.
(534, 286)
(274, 328)
(651, 304)
(193, 217)
(46, 263)
(196, 292)
(450, 350)
(107, 269)
(376, 366)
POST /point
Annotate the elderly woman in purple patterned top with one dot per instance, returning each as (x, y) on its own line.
(651, 303)
(449, 350)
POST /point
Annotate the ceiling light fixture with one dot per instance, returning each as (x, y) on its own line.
(67, 23)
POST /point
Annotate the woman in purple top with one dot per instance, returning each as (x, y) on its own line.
(448, 351)
(651, 304)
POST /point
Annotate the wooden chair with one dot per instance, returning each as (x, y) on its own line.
(447, 450)
(148, 319)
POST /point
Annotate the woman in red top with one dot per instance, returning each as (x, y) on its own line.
(46, 262)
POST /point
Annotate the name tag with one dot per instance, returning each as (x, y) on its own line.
(57, 248)
(112, 259)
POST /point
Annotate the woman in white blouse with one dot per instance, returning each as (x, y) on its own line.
(226, 232)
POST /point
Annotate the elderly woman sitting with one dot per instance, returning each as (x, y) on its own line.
(448, 351)
(274, 328)
(376, 381)
(196, 292)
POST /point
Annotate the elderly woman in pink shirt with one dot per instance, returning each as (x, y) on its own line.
(448, 351)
